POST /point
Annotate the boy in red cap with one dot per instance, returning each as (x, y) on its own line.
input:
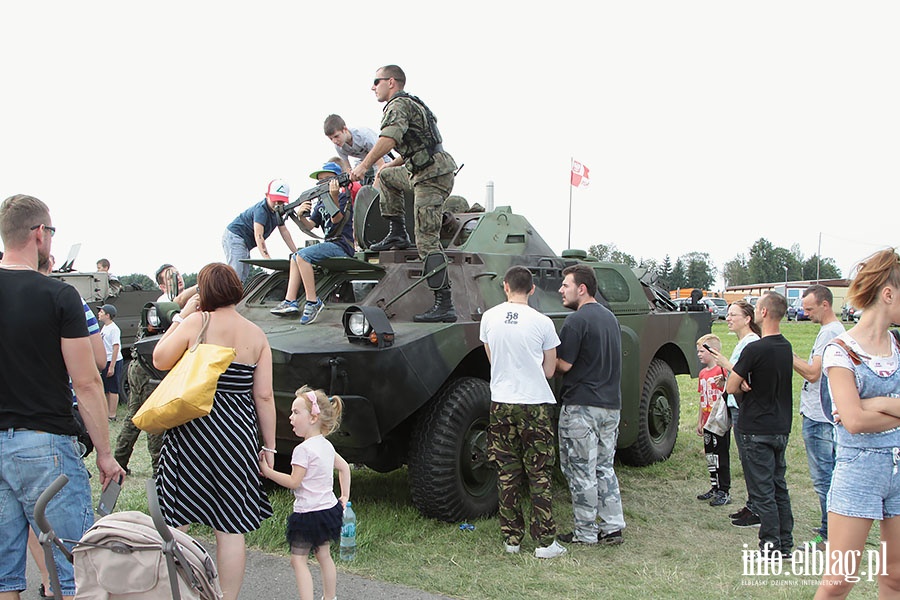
(251, 228)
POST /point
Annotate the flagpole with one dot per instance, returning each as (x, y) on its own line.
(571, 166)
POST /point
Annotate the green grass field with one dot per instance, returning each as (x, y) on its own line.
(675, 546)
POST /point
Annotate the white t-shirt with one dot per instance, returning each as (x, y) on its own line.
(316, 491)
(834, 356)
(810, 393)
(517, 336)
(111, 336)
(735, 355)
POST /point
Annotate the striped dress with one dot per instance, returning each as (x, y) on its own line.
(208, 470)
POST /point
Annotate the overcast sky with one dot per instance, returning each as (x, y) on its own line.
(705, 125)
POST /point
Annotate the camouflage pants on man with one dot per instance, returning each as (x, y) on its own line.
(520, 438)
(140, 389)
(587, 447)
(429, 201)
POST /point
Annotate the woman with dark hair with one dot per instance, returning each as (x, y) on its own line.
(208, 468)
(740, 320)
(861, 386)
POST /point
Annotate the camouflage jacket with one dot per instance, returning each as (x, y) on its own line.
(406, 121)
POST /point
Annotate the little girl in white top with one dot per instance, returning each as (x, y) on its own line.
(318, 513)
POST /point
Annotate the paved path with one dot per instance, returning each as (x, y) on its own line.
(271, 576)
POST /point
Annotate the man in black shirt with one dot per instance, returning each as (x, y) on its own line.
(764, 374)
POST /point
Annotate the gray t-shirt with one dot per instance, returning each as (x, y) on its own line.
(362, 143)
(810, 393)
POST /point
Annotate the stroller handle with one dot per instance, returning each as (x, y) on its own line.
(40, 506)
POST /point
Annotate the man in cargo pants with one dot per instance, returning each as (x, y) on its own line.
(590, 356)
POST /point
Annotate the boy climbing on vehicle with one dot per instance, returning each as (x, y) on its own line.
(338, 229)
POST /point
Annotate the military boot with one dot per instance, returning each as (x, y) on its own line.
(442, 311)
(396, 239)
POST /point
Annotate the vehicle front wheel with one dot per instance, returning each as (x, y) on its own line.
(658, 417)
(450, 476)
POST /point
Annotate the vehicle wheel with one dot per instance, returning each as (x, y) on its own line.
(449, 473)
(124, 388)
(658, 417)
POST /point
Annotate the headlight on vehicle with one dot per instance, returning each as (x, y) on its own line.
(156, 317)
(368, 324)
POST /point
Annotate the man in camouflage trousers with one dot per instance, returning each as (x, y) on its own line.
(520, 343)
(139, 386)
(590, 356)
(410, 128)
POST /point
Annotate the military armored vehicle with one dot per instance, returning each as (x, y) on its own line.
(98, 288)
(418, 394)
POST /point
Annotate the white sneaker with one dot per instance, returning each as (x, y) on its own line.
(512, 549)
(551, 551)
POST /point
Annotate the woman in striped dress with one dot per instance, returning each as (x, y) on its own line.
(208, 470)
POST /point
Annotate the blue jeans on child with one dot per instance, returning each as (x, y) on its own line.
(29, 462)
(319, 252)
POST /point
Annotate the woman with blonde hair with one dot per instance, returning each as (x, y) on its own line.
(209, 467)
(861, 376)
(740, 320)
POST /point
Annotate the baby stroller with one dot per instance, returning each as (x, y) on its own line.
(121, 556)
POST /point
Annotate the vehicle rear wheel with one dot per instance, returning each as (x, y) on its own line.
(124, 388)
(449, 473)
(658, 417)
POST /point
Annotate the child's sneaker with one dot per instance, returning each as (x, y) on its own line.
(721, 499)
(311, 311)
(551, 551)
(707, 495)
(817, 543)
(286, 307)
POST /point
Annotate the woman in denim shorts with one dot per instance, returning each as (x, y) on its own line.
(861, 371)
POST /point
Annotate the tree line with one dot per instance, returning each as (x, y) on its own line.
(764, 263)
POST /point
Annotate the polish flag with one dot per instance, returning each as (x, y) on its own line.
(581, 175)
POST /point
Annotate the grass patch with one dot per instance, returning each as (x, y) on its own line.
(675, 546)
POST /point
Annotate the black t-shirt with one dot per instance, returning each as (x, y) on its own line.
(591, 341)
(767, 365)
(35, 313)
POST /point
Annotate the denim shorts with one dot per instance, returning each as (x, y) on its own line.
(865, 483)
(111, 384)
(319, 252)
(29, 462)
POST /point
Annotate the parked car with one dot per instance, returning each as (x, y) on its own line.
(847, 312)
(752, 300)
(720, 305)
(857, 313)
(792, 309)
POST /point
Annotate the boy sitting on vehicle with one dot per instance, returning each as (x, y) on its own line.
(338, 229)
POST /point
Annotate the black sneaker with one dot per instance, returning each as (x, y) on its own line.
(707, 495)
(612, 538)
(721, 499)
(569, 538)
(750, 520)
(740, 514)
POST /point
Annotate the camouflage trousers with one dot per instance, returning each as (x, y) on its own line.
(429, 201)
(520, 438)
(587, 447)
(140, 389)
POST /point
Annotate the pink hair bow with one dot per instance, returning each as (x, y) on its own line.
(315, 403)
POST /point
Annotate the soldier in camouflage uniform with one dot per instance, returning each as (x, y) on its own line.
(590, 355)
(521, 345)
(139, 386)
(409, 127)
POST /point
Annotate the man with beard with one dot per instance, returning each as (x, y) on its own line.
(590, 357)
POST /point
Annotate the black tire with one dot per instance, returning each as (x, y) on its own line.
(450, 476)
(124, 387)
(658, 418)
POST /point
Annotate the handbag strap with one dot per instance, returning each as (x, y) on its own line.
(201, 337)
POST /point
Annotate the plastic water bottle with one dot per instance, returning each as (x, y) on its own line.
(348, 533)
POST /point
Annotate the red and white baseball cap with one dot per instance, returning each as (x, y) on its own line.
(278, 191)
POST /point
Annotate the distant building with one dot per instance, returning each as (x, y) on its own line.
(791, 290)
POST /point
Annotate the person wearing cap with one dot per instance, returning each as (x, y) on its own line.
(409, 127)
(139, 384)
(251, 228)
(338, 233)
(112, 342)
